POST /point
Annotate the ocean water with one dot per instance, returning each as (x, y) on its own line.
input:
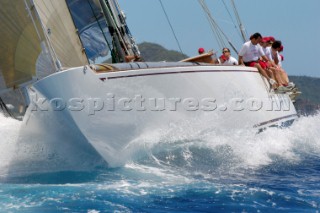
(183, 170)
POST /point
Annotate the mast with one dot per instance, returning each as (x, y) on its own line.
(124, 44)
(118, 50)
(124, 31)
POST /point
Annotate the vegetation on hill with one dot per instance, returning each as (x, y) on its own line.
(309, 87)
(308, 103)
(155, 52)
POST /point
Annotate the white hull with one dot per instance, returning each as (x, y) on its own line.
(112, 129)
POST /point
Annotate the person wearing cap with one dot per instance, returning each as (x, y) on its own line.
(271, 39)
(276, 51)
(201, 50)
(250, 55)
(282, 73)
(264, 43)
(227, 58)
(269, 51)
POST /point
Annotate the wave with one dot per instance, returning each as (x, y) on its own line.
(9, 131)
(200, 147)
(214, 150)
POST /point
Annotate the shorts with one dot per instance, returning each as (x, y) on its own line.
(263, 64)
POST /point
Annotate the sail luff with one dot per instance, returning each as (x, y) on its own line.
(19, 44)
(61, 32)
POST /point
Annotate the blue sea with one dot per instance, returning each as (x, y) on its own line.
(188, 170)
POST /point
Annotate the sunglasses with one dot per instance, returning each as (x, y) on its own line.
(225, 51)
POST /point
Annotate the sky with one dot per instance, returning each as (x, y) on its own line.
(294, 22)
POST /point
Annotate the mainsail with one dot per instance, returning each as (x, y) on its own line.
(20, 43)
(39, 37)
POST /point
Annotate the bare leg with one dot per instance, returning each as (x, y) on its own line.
(277, 75)
(284, 76)
(264, 73)
(270, 73)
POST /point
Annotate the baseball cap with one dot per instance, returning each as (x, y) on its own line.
(201, 50)
(265, 39)
(271, 39)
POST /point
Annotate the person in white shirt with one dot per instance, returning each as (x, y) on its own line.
(271, 64)
(228, 59)
(250, 54)
(265, 47)
(276, 49)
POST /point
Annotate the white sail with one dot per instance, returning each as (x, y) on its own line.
(20, 43)
(61, 32)
(36, 34)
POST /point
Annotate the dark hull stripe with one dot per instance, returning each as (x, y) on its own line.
(275, 120)
(179, 72)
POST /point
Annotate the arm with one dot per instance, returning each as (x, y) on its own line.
(130, 58)
(276, 58)
(241, 54)
(265, 58)
(241, 60)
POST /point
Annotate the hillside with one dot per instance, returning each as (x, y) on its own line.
(155, 52)
(309, 87)
(309, 101)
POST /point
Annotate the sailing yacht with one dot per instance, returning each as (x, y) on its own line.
(85, 90)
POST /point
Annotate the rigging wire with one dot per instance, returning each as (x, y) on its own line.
(225, 5)
(242, 29)
(100, 27)
(4, 109)
(215, 27)
(213, 24)
(232, 19)
(46, 32)
(174, 34)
